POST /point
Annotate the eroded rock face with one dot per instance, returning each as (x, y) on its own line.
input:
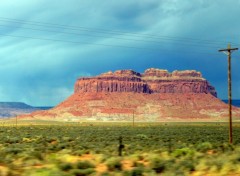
(156, 72)
(151, 81)
(187, 73)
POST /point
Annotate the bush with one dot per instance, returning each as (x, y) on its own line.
(82, 172)
(157, 165)
(84, 165)
(183, 152)
(44, 172)
(13, 151)
(137, 171)
(13, 140)
(65, 166)
(186, 165)
(204, 147)
(114, 164)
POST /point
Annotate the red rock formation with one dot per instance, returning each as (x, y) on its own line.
(155, 95)
(156, 72)
(151, 81)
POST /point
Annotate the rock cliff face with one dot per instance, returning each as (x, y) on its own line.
(151, 81)
(155, 95)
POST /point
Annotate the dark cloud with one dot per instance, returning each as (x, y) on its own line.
(43, 72)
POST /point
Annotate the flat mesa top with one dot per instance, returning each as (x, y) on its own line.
(151, 73)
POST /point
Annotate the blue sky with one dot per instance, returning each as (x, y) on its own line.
(46, 45)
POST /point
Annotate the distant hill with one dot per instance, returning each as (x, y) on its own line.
(234, 102)
(43, 107)
(11, 109)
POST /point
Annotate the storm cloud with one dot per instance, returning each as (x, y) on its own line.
(46, 45)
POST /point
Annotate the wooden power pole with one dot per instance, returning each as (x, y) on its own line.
(229, 51)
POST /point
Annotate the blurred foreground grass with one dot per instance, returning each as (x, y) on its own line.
(41, 148)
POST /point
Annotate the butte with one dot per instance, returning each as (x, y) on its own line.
(152, 96)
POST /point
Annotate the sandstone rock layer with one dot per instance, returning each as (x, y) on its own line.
(155, 95)
(151, 81)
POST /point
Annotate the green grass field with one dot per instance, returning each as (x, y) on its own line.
(41, 148)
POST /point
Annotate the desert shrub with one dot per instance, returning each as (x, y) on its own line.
(105, 174)
(183, 152)
(13, 151)
(138, 171)
(114, 164)
(78, 152)
(67, 139)
(138, 164)
(37, 155)
(62, 146)
(204, 147)
(12, 140)
(82, 172)
(84, 165)
(157, 165)
(141, 136)
(185, 165)
(65, 166)
(235, 159)
(226, 147)
(44, 172)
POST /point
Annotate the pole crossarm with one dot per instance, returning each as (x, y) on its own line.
(228, 49)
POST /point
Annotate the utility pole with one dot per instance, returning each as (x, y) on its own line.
(229, 51)
(121, 146)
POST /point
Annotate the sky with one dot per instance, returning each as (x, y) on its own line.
(46, 45)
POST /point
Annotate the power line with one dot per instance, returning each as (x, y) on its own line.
(98, 44)
(184, 41)
(100, 30)
(91, 35)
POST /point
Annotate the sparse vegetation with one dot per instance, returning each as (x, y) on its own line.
(149, 149)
